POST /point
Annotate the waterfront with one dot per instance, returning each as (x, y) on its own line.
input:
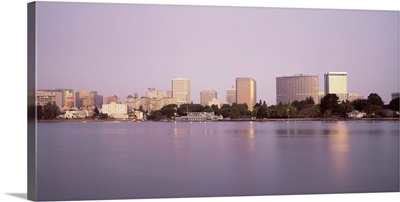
(165, 159)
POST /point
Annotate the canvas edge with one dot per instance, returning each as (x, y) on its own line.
(31, 65)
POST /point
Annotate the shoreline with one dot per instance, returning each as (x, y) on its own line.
(230, 120)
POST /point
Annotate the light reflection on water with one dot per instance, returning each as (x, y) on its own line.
(144, 160)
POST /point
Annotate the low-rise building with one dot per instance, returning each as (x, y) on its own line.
(115, 110)
(354, 96)
(45, 96)
(199, 116)
(214, 102)
(356, 114)
(70, 114)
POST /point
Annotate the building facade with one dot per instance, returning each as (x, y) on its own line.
(67, 97)
(108, 100)
(115, 110)
(246, 91)
(88, 99)
(297, 87)
(214, 102)
(181, 90)
(153, 93)
(231, 95)
(45, 96)
(79, 96)
(336, 83)
(206, 96)
(354, 96)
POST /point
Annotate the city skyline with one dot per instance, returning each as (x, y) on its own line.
(114, 52)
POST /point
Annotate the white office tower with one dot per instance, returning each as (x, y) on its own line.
(181, 90)
(336, 83)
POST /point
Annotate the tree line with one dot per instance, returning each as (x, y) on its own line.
(328, 107)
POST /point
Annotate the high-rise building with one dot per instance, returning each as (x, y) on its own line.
(246, 91)
(297, 87)
(206, 96)
(79, 96)
(67, 97)
(231, 95)
(181, 90)
(88, 99)
(336, 83)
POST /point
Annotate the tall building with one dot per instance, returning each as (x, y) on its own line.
(206, 96)
(67, 97)
(181, 90)
(336, 83)
(231, 95)
(88, 99)
(79, 96)
(297, 87)
(246, 91)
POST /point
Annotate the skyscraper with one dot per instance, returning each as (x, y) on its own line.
(67, 97)
(231, 95)
(336, 83)
(206, 96)
(79, 97)
(181, 90)
(297, 87)
(246, 91)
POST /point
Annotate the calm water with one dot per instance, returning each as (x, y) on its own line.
(149, 160)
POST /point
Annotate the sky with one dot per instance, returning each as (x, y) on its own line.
(126, 48)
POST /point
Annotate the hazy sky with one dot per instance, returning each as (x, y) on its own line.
(125, 48)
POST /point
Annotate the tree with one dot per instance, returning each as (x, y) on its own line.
(50, 111)
(264, 104)
(328, 103)
(184, 108)
(155, 116)
(235, 113)
(374, 99)
(103, 116)
(96, 112)
(225, 110)
(387, 113)
(310, 112)
(208, 109)
(344, 108)
(216, 110)
(296, 104)
(394, 104)
(169, 110)
(374, 104)
(261, 113)
(39, 112)
(310, 100)
(359, 104)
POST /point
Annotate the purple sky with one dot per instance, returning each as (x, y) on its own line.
(125, 48)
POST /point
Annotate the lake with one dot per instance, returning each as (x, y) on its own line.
(110, 160)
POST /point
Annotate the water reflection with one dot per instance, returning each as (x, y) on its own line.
(339, 150)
